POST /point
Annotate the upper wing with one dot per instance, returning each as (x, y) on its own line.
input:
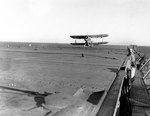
(79, 36)
(98, 36)
(86, 36)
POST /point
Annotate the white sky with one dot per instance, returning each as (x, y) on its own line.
(126, 21)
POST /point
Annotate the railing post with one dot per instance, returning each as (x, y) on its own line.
(145, 64)
(146, 74)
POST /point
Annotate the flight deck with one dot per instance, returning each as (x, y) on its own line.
(60, 80)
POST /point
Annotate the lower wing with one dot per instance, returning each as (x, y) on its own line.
(77, 43)
(97, 43)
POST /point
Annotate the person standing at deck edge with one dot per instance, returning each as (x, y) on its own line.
(128, 69)
(133, 64)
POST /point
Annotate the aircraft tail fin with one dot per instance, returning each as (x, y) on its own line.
(79, 93)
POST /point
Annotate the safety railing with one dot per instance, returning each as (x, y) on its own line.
(145, 68)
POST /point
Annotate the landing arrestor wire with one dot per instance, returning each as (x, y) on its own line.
(39, 98)
(27, 91)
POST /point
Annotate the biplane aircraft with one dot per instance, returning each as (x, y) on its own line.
(88, 39)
